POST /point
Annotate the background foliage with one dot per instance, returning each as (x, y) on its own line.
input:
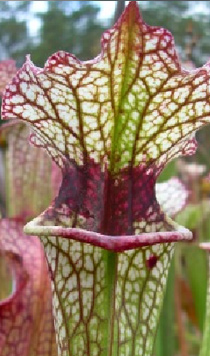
(75, 26)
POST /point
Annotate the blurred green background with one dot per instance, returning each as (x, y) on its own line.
(44, 27)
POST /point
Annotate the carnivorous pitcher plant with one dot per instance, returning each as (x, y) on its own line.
(111, 124)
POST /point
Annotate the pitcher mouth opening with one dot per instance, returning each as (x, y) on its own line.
(115, 243)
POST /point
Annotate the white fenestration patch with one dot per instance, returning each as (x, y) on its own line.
(17, 99)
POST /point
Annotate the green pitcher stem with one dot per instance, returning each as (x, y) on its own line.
(166, 323)
(205, 347)
(111, 276)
